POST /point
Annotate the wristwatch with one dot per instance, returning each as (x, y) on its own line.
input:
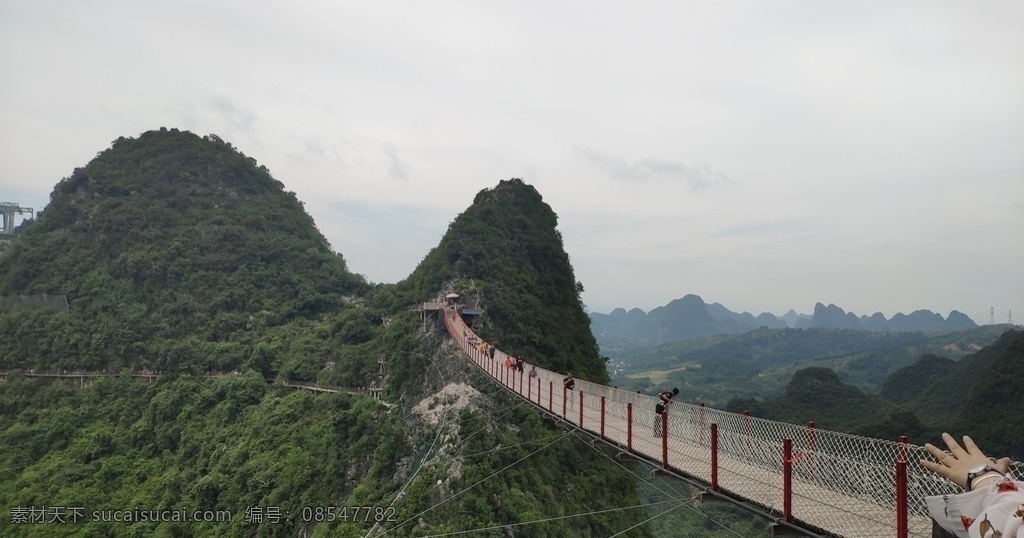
(976, 472)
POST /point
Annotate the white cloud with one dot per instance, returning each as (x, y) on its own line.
(398, 169)
(765, 156)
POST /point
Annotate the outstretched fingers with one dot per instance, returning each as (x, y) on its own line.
(939, 454)
(971, 447)
(936, 452)
(954, 447)
(935, 468)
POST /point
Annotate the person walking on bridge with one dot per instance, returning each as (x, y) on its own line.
(664, 401)
(569, 383)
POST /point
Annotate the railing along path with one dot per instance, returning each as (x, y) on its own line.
(840, 484)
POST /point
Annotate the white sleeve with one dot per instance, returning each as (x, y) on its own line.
(995, 510)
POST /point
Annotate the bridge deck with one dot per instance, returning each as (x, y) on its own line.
(749, 469)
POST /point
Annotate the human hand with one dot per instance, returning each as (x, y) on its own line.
(955, 464)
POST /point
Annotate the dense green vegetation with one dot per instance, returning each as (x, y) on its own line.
(992, 410)
(189, 444)
(505, 255)
(979, 395)
(176, 253)
(180, 255)
(759, 364)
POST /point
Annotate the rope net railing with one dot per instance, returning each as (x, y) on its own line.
(842, 484)
(14, 303)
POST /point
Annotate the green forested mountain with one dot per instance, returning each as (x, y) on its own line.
(690, 318)
(938, 389)
(981, 395)
(816, 394)
(993, 412)
(759, 364)
(176, 253)
(912, 382)
(505, 254)
(179, 255)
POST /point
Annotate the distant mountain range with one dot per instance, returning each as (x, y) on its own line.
(690, 317)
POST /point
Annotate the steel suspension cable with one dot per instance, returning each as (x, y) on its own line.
(648, 520)
(678, 497)
(500, 448)
(482, 480)
(547, 519)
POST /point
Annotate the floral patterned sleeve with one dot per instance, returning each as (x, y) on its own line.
(995, 510)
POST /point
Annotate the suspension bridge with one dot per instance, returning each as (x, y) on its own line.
(811, 481)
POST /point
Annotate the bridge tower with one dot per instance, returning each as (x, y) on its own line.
(9, 210)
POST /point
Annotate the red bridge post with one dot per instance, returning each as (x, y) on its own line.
(902, 523)
(520, 382)
(581, 409)
(787, 479)
(629, 426)
(664, 440)
(602, 417)
(714, 456)
(551, 395)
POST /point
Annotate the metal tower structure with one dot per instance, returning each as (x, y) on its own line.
(9, 210)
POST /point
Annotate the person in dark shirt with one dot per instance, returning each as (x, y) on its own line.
(664, 401)
(569, 383)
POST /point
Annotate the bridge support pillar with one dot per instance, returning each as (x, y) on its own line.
(706, 498)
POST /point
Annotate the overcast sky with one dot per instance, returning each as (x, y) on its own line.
(763, 155)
